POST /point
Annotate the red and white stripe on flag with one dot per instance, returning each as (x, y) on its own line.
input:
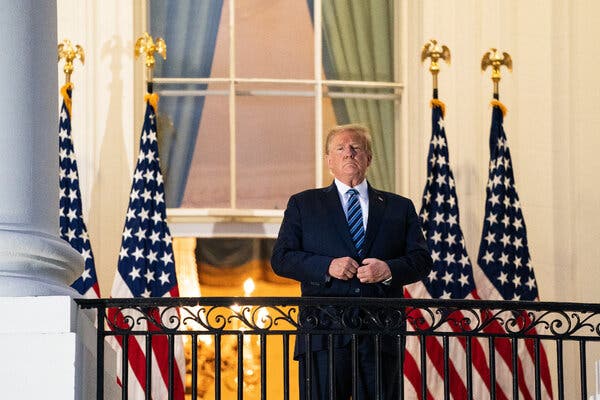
(504, 256)
(457, 360)
(146, 268)
(137, 369)
(452, 277)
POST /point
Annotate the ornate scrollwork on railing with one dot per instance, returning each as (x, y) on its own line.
(225, 339)
(303, 315)
(131, 318)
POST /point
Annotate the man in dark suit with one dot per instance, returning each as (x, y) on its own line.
(349, 240)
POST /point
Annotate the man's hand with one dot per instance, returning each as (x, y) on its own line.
(343, 268)
(373, 270)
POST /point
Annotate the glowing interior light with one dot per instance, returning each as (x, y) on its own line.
(249, 286)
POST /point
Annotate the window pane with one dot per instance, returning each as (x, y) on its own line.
(358, 45)
(274, 39)
(358, 40)
(275, 149)
(208, 180)
(378, 115)
(190, 29)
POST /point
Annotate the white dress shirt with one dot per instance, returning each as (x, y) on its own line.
(363, 197)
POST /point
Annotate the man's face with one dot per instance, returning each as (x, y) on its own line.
(348, 159)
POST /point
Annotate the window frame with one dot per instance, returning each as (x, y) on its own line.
(236, 222)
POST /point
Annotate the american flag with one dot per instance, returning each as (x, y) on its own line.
(450, 278)
(503, 251)
(146, 268)
(72, 227)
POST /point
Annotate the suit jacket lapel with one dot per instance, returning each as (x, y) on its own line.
(334, 208)
(376, 210)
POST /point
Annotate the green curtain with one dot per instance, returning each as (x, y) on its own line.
(358, 45)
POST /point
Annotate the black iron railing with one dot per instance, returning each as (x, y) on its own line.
(466, 344)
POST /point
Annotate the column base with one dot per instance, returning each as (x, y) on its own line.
(37, 264)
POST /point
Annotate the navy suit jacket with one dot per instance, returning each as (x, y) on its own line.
(314, 231)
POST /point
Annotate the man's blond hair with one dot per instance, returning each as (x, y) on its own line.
(359, 129)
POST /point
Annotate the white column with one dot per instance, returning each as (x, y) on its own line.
(33, 258)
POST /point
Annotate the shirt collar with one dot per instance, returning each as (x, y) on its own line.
(362, 188)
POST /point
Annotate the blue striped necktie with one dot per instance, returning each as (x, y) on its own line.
(355, 221)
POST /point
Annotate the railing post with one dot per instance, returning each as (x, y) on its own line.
(492, 355)
(538, 386)
(469, 358)
(194, 360)
(515, 368)
(148, 367)
(401, 350)
(446, 346)
(582, 369)
(101, 313)
(263, 366)
(171, 362)
(240, 363)
(354, 344)
(559, 367)
(286, 366)
(218, 366)
(423, 366)
(331, 367)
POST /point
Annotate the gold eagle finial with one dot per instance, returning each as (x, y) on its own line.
(434, 51)
(145, 45)
(69, 53)
(495, 59)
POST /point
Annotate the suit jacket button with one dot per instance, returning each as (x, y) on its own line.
(357, 290)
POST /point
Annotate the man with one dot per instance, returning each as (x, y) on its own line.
(349, 239)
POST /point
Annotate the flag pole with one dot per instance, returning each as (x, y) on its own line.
(435, 52)
(495, 59)
(441, 227)
(148, 47)
(157, 363)
(71, 224)
(69, 53)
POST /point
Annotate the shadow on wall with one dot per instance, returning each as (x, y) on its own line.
(112, 179)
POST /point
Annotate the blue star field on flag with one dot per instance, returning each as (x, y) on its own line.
(72, 226)
(452, 274)
(146, 263)
(503, 251)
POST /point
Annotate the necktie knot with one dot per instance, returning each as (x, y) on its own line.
(355, 220)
